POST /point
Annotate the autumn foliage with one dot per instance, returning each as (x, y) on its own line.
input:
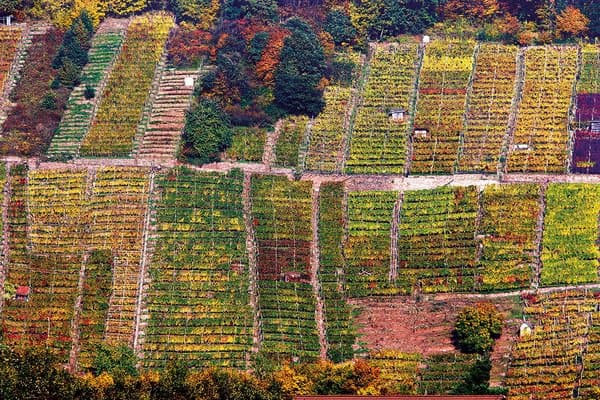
(571, 22)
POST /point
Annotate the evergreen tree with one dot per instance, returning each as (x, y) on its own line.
(339, 26)
(301, 67)
(207, 131)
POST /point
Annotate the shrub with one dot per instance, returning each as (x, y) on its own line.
(89, 92)
(477, 327)
(49, 101)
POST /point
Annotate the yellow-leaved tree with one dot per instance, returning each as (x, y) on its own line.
(202, 12)
(125, 7)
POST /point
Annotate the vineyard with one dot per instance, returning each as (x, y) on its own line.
(447, 67)
(541, 134)
(586, 152)
(489, 108)
(378, 143)
(438, 175)
(9, 41)
(507, 236)
(282, 222)
(198, 300)
(113, 131)
(558, 360)
(368, 243)
(79, 113)
(327, 131)
(570, 250)
(436, 249)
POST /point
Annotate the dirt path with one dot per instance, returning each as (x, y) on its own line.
(252, 263)
(314, 275)
(148, 237)
(268, 157)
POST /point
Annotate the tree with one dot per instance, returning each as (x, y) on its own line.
(340, 27)
(571, 22)
(125, 7)
(203, 13)
(379, 19)
(265, 10)
(207, 131)
(477, 327)
(72, 55)
(300, 70)
(477, 379)
(8, 7)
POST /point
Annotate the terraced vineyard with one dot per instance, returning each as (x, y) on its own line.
(290, 139)
(436, 249)
(507, 236)
(282, 221)
(378, 143)
(339, 326)
(570, 253)
(586, 151)
(198, 300)
(445, 74)
(80, 111)
(368, 243)
(9, 42)
(489, 108)
(541, 135)
(325, 150)
(324, 246)
(548, 364)
(113, 131)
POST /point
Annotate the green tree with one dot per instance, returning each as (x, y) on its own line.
(265, 10)
(477, 379)
(340, 27)
(477, 327)
(207, 131)
(8, 7)
(301, 67)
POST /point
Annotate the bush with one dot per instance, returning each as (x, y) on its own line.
(207, 131)
(49, 101)
(89, 92)
(115, 360)
(477, 327)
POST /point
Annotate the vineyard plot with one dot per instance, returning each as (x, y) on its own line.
(436, 245)
(198, 299)
(548, 363)
(113, 131)
(445, 74)
(368, 243)
(282, 222)
(77, 117)
(378, 142)
(339, 324)
(9, 44)
(290, 139)
(507, 236)
(570, 245)
(541, 134)
(49, 270)
(586, 152)
(327, 132)
(489, 108)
